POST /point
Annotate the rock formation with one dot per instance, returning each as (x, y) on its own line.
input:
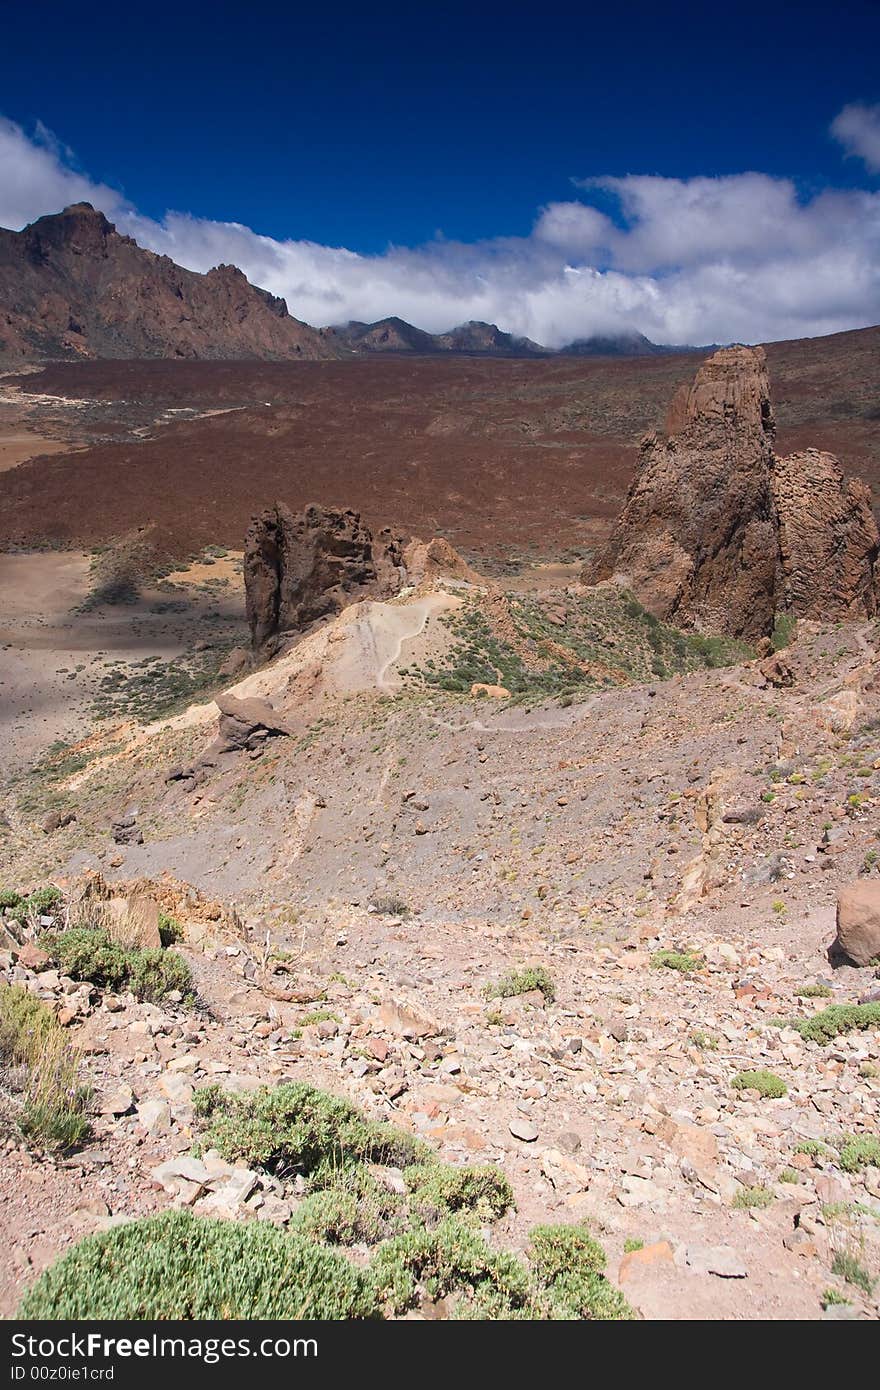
(828, 541)
(72, 286)
(858, 924)
(300, 568)
(719, 534)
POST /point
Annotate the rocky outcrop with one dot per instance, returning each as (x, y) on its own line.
(858, 924)
(72, 286)
(244, 726)
(696, 538)
(719, 534)
(298, 568)
(828, 539)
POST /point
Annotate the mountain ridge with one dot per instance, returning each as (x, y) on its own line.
(73, 286)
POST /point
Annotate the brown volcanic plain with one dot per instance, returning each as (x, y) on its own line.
(522, 458)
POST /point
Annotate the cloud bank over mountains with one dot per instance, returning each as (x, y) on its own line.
(742, 257)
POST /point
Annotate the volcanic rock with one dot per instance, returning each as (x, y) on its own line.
(828, 539)
(719, 534)
(300, 568)
(72, 286)
(696, 538)
(858, 924)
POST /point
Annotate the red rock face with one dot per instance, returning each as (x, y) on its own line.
(696, 536)
(828, 540)
(71, 286)
(300, 568)
(719, 534)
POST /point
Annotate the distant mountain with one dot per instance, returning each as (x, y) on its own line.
(477, 337)
(468, 339)
(617, 345)
(72, 286)
(388, 335)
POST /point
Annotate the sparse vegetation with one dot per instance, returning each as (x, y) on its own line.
(42, 1071)
(589, 642)
(148, 972)
(859, 1151)
(390, 905)
(177, 1265)
(296, 1128)
(685, 962)
(515, 982)
(848, 1266)
(813, 992)
(768, 1085)
(836, 1019)
(748, 1198)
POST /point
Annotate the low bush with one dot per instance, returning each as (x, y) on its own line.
(767, 1083)
(684, 961)
(170, 930)
(836, 1019)
(180, 1266)
(522, 982)
(453, 1258)
(748, 1198)
(149, 972)
(53, 1102)
(439, 1187)
(296, 1128)
(356, 1209)
(859, 1151)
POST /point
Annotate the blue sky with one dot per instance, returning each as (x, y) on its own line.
(369, 128)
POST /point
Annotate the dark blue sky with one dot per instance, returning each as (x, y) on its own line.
(388, 123)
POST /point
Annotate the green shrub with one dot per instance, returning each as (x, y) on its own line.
(440, 1187)
(9, 898)
(52, 1111)
(684, 961)
(859, 1151)
(770, 1086)
(180, 1266)
(522, 982)
(170, 930)
(42, 900)
(355, 1210)
(453, 1258)
(149, 972)
(837, 1019)
(568, 1265)
(296, 1128)
(749, 1197)
(847, 1266)
(813, 992)
(557, 1250)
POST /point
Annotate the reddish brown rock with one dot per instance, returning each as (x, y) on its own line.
(828, 539)
(696, 539)
(298, 568)
(719, 534)
(72, 286)
(858, 923)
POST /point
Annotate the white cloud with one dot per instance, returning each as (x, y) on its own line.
(857, 127)
(738, 258)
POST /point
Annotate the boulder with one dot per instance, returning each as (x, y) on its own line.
(299, 568)
(696, 538)
(720, 534)
(858, 923)
(828, 539)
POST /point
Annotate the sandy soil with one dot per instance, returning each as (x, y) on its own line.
(52, 655)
